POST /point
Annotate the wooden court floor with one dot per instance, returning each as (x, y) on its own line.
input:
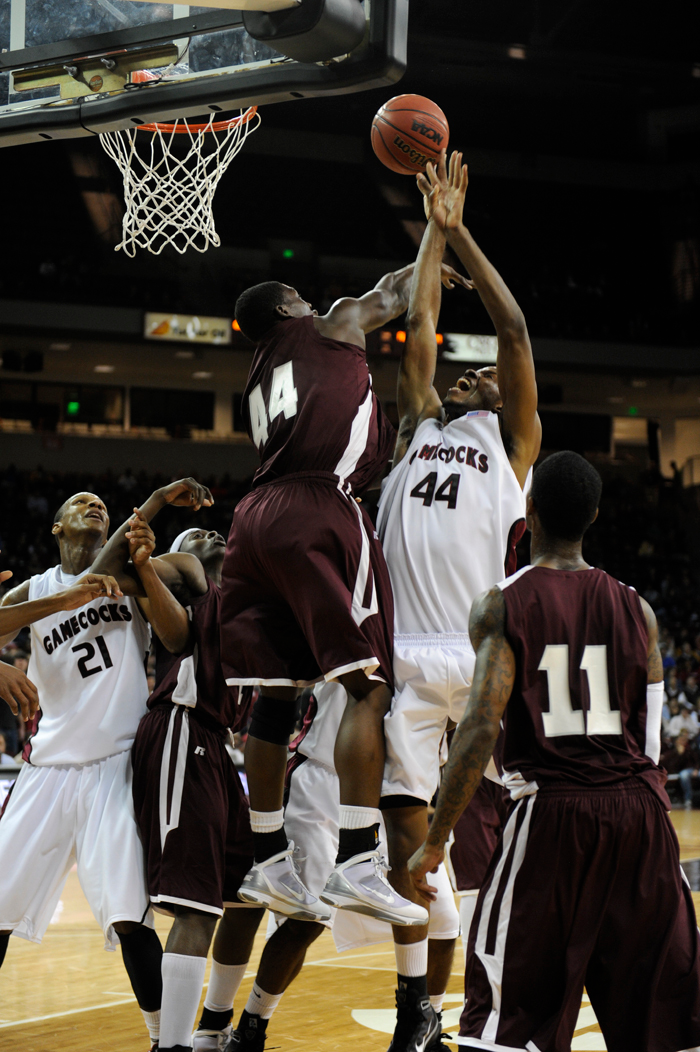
(69, 995)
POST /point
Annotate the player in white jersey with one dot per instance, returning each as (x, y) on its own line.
(450, 513)
(312, 817)
(72, 800)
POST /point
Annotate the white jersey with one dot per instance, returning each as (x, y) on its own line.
(449, 516)
(89, 668)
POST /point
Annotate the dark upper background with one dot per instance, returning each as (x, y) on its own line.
(584, 171)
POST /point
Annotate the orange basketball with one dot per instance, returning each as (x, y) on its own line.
(407, 132)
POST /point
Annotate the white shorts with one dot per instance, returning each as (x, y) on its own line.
(63, 814)
(311, 821)
(433, 677)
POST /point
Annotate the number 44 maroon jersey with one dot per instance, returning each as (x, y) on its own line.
(577, 715)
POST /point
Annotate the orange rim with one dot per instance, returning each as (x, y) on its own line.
(139, 76)
(182, 127)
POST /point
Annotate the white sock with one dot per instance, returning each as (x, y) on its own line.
(412, 959)
(224, 981)
(262, 1004)
(436, 1001)
(467, 906)
(357, 817)
(183, 978)
(266, 821)
(152, 1020)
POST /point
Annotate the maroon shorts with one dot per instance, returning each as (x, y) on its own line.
(585, 888)
(306, 593)
(191, 812)
(476, 835)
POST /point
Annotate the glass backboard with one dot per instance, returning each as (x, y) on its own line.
(69, 67)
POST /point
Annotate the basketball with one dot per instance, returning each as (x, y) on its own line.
(407, 132)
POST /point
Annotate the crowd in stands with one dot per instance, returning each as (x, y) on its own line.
(647, 534)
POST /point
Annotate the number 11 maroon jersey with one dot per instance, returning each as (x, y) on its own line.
(578, 712)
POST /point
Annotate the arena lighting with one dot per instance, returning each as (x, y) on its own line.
(470, 347)
(104, 368)
(235, 326)
(202, 375)
(288, 253)
(73, 408)
(400, 336)
(633, 411)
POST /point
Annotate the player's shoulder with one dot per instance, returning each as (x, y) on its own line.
(508, 582)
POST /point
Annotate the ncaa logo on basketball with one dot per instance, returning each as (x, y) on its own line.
(426, 131)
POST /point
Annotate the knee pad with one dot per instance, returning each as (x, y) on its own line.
(272, 720)
(444, 916)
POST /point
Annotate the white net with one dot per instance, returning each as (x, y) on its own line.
(170, 181)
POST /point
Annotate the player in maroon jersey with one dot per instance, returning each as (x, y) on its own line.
(585, 886)
(188, 799)
(306, 592)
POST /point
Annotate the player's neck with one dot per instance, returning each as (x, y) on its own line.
(76, 558)
(557, 554)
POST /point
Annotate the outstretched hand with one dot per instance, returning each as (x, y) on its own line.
(425, 860)
(444, 190)
(449, 276)
(91, 586)
(187, 493)
(141, 538)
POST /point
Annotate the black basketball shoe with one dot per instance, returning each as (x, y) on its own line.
(438, 1044)
(249, 1035)
(417, 1023)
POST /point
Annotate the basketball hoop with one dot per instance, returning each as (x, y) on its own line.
(168, 192)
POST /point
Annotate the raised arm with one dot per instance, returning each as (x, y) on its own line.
(165, 581)
(655, 686)
(417, 398)
(515, 366)
(113, 558)
(475, 737)
(349, 319)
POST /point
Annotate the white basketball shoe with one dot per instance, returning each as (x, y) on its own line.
(360, 885)
(276, 884)
(211, 1040)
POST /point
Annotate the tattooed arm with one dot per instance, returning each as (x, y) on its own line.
(475, 738)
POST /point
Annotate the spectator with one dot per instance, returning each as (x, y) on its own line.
(672, 707)
(682, 759)
(686, 720)
(5, 759)
(692, 691)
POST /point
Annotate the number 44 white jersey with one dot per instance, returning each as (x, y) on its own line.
(89, 668)
(450, 514)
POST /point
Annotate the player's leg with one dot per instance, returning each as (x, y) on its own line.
(647, 953)
(266, 756)
(233, 946)
(142, 955)
(183, 968)
(281, 962)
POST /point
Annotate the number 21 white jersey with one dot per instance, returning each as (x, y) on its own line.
(449, 516)
(88, 666)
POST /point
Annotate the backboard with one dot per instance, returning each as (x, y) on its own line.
(67, 67)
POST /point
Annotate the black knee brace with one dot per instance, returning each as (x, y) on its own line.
(272, 720)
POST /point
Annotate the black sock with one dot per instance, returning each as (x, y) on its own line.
(212, 1020)
(265, 845)
(356, 842)
(248, 1021)
(175, 1048)
(4, 940)
(143, 956)
(410, 983)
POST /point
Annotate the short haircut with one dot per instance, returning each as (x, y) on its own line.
(255, 308)
(59, 514)
(566, 492)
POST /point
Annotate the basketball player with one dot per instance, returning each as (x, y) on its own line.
(311, 821)
(197, 838)
(450, 513)
(72, 798)
(306, 595)
(585, 886)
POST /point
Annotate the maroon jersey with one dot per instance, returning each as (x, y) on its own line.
(194, 678)
(309, 406)
(577, 714)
